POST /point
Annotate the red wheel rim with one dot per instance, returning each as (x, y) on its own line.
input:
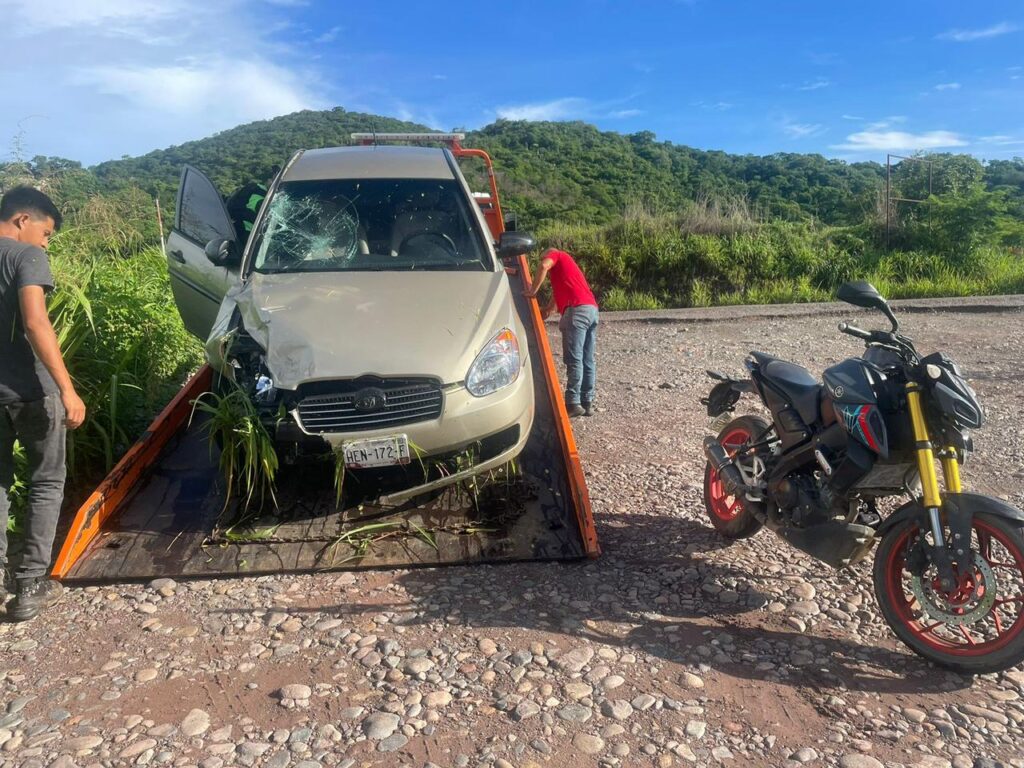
(724, 505)
(1000, 626)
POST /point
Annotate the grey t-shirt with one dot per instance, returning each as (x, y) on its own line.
(22, 377)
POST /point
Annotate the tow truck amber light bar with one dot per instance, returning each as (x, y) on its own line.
(373, 138)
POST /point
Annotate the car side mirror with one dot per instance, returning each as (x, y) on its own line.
(515, 243)
(222, 252)
(861, 293)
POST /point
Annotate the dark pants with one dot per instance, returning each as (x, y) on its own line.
(579, 340)
(39, 427)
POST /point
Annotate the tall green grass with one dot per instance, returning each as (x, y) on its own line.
(248, 459)
(123, 343)
(647, 261)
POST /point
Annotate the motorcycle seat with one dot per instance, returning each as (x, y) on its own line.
(795, 381)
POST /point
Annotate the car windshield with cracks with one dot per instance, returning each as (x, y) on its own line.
(369, 225)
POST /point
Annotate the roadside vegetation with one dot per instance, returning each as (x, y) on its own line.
(713, 254)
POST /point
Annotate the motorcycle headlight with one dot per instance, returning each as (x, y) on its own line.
(496, 366)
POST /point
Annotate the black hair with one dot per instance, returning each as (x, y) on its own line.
(29, 200)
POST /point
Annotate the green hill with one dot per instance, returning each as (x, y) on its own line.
(233, 157)
(562, 172)
(547, 171)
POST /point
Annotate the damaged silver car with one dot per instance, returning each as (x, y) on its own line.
(368, 313)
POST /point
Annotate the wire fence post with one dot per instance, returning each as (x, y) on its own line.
(890, 200)
(160, 223)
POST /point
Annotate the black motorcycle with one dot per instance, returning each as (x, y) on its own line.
(949, 570)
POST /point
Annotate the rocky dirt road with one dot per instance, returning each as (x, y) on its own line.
(671, 649)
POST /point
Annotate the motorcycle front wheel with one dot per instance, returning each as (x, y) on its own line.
(978, 627)
(730, 515)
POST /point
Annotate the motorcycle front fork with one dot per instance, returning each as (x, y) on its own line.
(926, 466)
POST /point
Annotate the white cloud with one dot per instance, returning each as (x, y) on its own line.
(895, 141)
(1002, 140)
(329, 36)
(852, 117)
(258, 89)
(815, 85)
(970, 35)
(716, 106)
(131, 76)
(947, 87)
(566, 108)
(624, 113)
(886, 122)
(107, 16)
(413, 114)
(802, 130)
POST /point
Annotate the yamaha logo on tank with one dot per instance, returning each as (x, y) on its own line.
(369, 400)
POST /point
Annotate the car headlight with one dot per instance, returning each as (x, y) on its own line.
(496, 366)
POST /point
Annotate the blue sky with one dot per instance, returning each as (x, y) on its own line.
(99, 79)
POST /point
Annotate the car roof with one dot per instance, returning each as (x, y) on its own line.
(372, 162)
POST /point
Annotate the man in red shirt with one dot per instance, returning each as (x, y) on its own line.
(578, 324)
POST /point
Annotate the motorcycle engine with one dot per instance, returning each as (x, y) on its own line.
(803, 498)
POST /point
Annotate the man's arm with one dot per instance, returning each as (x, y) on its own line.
(40, 334)
(538, 280)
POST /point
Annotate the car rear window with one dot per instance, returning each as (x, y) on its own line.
(370, 225)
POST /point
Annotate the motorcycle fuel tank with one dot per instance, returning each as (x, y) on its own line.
(851, 384)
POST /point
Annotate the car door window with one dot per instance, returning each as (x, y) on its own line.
(201, 215)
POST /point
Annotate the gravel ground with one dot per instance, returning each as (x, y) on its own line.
(671, 649)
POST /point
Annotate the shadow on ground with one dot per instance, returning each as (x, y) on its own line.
(646, 594)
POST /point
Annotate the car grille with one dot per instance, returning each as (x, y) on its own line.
(404, 404)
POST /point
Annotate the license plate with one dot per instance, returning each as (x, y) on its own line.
(719, 422)
(376, 452)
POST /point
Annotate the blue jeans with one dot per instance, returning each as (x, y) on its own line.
(579, 339)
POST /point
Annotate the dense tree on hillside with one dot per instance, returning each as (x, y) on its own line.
(232, 158)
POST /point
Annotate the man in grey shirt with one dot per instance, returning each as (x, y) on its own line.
(38, 402)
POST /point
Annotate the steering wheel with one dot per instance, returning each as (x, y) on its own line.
(439, 239)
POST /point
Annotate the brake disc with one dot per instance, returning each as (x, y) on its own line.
(936, 606)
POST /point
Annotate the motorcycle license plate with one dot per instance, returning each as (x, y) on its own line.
(719, 422)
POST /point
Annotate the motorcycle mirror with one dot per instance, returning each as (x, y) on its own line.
(861, 293)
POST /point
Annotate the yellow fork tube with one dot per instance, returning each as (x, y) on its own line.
(925, 455)
(951, 469)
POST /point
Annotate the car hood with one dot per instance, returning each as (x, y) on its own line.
(318, 326)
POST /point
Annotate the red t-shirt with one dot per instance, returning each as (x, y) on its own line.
(567, 282)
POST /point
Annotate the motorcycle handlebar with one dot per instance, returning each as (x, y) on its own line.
(853, 330)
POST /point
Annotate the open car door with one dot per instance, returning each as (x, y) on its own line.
(198, 285)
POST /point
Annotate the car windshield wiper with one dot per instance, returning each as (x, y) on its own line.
(448, 266)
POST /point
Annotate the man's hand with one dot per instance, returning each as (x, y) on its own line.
(74, 409)
(538, 279)
(40, 334)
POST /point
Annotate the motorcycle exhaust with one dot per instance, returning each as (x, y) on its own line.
(726, 469)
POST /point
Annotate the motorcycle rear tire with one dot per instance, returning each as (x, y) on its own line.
(733, 520)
